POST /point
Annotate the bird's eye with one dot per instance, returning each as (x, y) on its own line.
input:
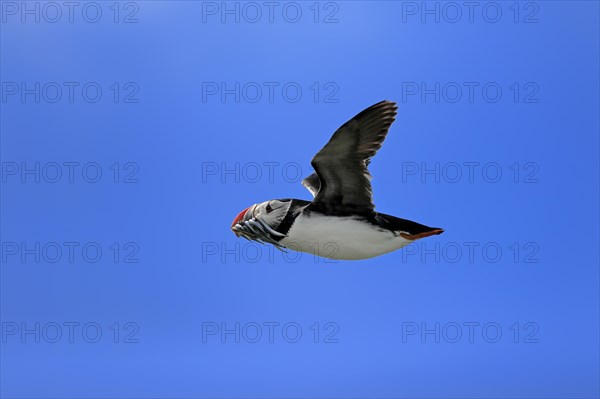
(268, 208)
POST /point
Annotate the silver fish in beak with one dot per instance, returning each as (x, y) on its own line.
(250, 226)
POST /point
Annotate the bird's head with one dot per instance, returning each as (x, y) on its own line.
(260, 221)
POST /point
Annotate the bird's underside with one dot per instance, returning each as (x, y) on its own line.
(351, 237)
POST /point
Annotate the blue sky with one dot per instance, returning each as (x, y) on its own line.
(132, 133)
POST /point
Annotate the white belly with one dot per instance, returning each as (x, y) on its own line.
(340, 238)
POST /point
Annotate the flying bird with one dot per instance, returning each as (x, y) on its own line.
(340, 222)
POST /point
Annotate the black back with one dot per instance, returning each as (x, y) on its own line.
(382, 220)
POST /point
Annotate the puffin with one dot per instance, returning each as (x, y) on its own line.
(340, 222)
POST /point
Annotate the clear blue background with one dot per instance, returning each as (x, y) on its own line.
(171, 213)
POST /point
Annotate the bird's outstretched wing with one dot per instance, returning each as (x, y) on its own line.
(342, 180)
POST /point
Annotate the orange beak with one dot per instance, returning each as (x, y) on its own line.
(239, 217)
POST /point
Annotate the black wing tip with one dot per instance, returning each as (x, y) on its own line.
(382, 109)
(387, 104)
